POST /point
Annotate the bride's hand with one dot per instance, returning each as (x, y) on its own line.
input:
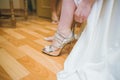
(82, 12)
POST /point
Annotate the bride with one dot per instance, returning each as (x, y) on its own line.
(96, 55)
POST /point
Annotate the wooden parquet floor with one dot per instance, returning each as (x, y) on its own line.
(20, 51)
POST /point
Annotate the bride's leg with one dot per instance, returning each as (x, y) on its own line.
(64, 26)
(66, 18)
(59, 6)
(54, 16)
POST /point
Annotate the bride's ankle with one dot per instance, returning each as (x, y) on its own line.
(66, 33)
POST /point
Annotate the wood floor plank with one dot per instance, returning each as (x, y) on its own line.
(11, 39)
(21, 25)
(41, 22)
(2, 40)
(37, 71)
(32, 33)
(32, 43)
(4, 75)
(51, 27)
(46, 25)
(53, 66)
(38, 45)
(37, 27)
(11, 66)
(14, 34)
(9, 47)
(42, 42)
(28, 36)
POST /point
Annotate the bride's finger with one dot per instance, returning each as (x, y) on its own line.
(79, 19)
(84, 18)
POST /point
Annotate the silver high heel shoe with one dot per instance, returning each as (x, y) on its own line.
(54, 50)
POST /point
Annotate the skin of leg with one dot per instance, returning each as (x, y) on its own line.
(59, 6)
(53, 10)
(58, 11)
(66, 19)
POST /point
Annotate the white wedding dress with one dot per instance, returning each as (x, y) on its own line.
(96, 55)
